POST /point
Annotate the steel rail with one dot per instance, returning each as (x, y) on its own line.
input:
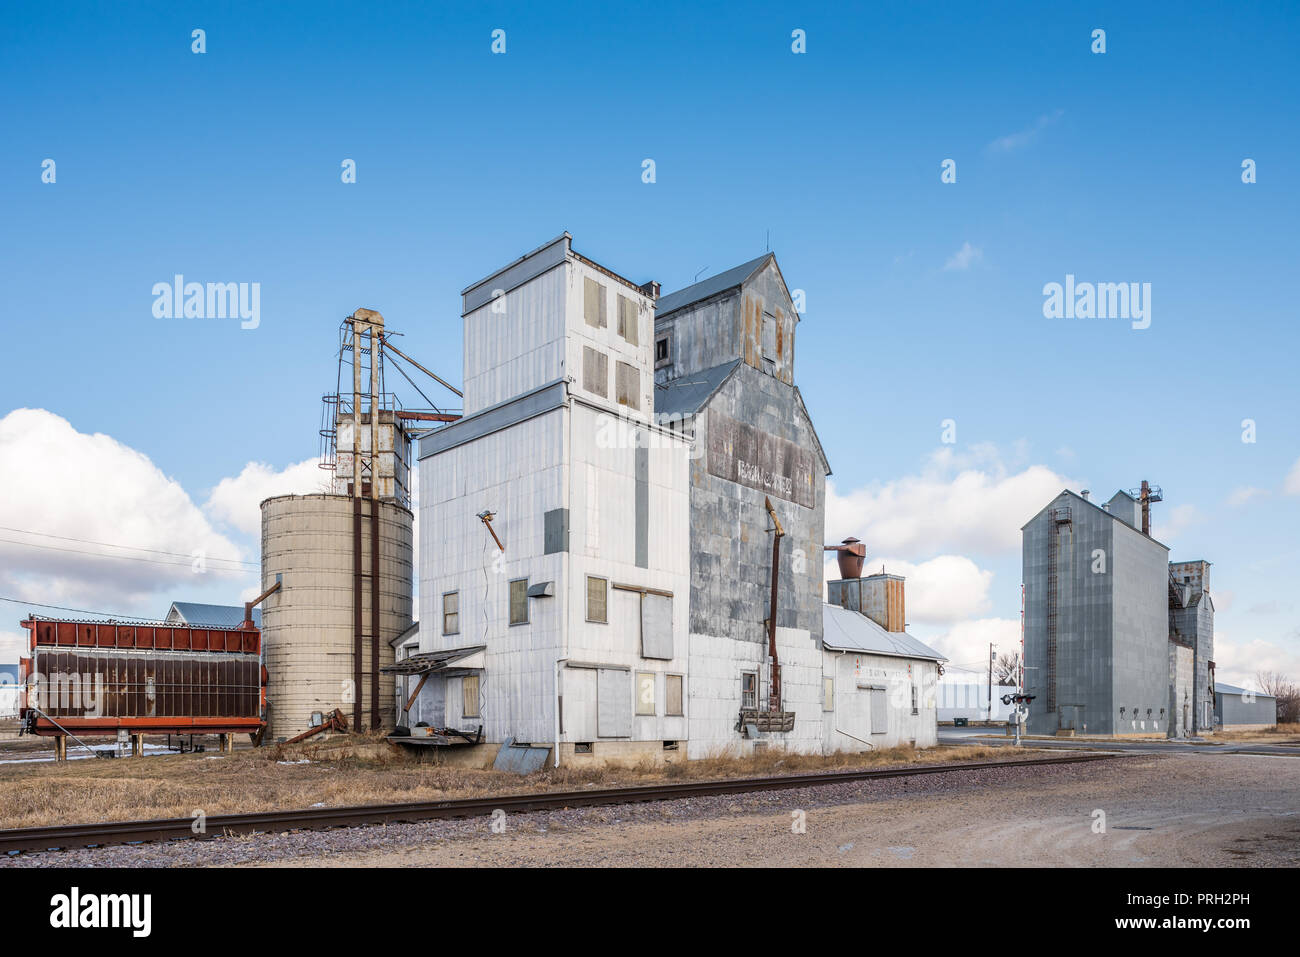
(67, 836)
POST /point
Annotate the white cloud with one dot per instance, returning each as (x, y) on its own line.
(1238, 663)
(1244, 493)
(1015, 141)
(1292, 484)
(237, 501)
(943, 590)
(12, 645)
(962, 501)
(1179, 518)
(90, 488)
(964, 258)
(966, 644)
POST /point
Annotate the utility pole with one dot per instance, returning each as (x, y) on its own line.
(992, 656)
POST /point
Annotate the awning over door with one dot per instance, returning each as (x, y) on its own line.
(427, 662)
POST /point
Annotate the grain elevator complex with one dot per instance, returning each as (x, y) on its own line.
(621, 535)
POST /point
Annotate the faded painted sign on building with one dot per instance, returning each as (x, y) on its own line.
(743, 454)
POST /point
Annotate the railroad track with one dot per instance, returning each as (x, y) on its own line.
(67, 836)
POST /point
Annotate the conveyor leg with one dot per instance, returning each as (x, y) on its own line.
(60, 748)
(137, 745)
(227, 744)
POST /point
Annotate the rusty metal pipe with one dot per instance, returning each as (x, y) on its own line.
(774, 694)
(250, 605)
(356, 611)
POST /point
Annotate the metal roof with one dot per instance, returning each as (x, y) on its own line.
(847, 630)
(709, 287)
(218, 616)
(1221, 688)
(431, 661)
(687, 394)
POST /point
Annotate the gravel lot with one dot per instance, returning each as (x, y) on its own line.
(1159, 810)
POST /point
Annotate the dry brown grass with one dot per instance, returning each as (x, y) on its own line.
(1281, 734)
(354, 769)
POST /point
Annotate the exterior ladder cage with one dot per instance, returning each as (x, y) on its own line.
(1061, 516)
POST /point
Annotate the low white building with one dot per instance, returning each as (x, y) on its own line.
(966, 696)
(879, 686)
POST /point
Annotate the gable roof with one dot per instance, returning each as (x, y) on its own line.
(687, 394)
(846, 630)
(1076, 498)
(216, 616)
(705, 288)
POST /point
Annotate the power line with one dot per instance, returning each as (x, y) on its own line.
(84, 611)
(135, 548)
(123, 558)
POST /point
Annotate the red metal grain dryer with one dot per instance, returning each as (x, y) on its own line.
(101, 677)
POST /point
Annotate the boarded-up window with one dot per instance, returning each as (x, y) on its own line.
(451, 613)
(769, 336)
(645, 692)
(828, 694)
(613, 703)
(627, 385)
(519, 602)
(879, 711)
(749, 690)
(593, 304)
(672, 694)
(469, 692)
(656, 626)
(627, 319)
(597, 591)
(595, 371)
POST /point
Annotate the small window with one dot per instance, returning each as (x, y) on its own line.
(519, 601)
(670, 745)
(749, 690)
(828, 694)
(627, 319)
(627, 385)
(645, 692)
(582, 747)
(673, 694)
(595, 371)
(593, 304)
(914, 697)
(469, 692)
(451, 613)
(597, 590)
(663, 350)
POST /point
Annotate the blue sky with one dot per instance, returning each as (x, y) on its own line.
(1115, 167)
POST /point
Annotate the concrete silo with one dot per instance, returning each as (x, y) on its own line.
(343, 557)
(311, 625)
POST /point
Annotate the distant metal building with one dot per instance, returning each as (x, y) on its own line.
(1113, 644)
(217, 616)
(8, 690)
(1239, 709)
